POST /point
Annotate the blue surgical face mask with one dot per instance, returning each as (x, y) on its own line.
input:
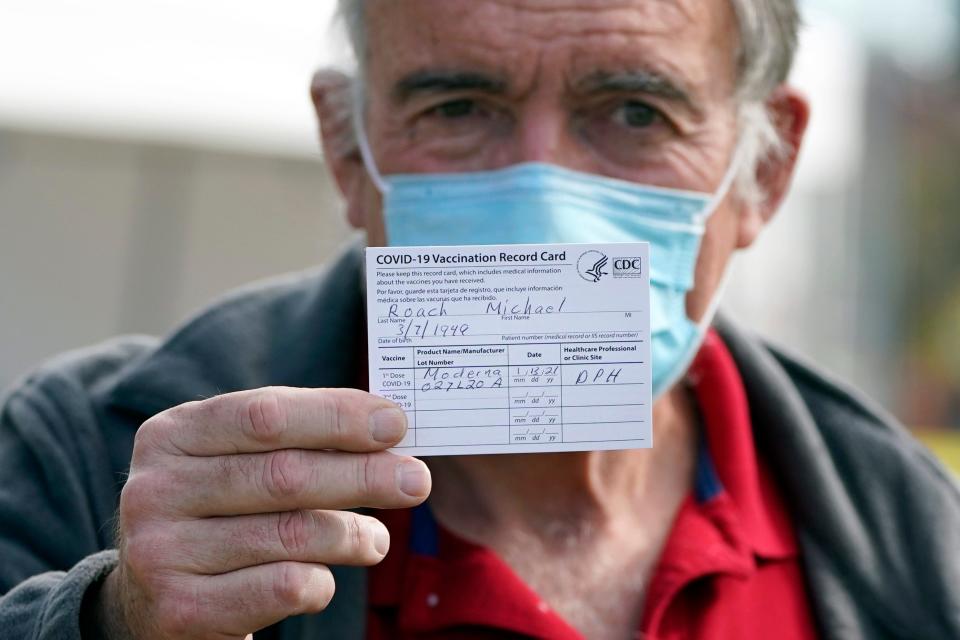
(535, 203)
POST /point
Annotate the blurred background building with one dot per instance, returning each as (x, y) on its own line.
(156, 154)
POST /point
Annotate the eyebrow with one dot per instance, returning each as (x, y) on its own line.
(637, 81)
(440, 81)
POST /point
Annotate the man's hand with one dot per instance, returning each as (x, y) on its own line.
(233, 509)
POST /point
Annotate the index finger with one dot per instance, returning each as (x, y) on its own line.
(274, 418)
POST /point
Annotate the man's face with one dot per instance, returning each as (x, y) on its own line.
(640, 90)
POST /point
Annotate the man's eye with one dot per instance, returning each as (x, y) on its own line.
(455, 108)
(636, 114)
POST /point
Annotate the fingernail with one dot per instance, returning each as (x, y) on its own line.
(414, 478)
(387, 425)
(381, 539)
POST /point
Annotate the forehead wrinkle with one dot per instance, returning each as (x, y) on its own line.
(544, 18)
(549, 19)
(521, 39)
(535, 77)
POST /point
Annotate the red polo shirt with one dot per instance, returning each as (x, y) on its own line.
(730, 568)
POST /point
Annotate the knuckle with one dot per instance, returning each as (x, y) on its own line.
(293, 532)
(159, 432)
(292, 586)
(144, 555)
(264, 416)
(143, 439)
(330, 408)
(179, 613)
(366, 474)
(284, 476)
(342, 410)
(337, 407)
(151, 434)
(357, 535)
(136, 498)
(303, 588)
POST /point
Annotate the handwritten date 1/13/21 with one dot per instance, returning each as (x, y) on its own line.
(423, 328)
(543, 374)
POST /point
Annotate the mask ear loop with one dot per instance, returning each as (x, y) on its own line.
(703, 325)
(681, 370)
(363, 143)
(719, 195)
(725, 184)
(713, 205)
(717, 297)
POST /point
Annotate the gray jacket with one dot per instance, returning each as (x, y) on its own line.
(878, 518)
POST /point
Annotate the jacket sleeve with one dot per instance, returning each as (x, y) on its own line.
(57, 499)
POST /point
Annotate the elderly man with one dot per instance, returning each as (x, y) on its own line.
(249, 473)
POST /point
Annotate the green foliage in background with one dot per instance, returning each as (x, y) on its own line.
(945, 444)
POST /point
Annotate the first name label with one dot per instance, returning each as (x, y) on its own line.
(513, 348)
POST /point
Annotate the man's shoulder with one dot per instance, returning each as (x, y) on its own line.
(831, 399)
(817, 409)
(878, 517)
(784, 384)
(845, 414)
(828, 393)
(68, 384)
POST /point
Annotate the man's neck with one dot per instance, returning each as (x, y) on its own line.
(561, 497)
(584, 530)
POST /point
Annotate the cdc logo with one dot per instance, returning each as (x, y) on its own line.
(628, 267)
(591, 265)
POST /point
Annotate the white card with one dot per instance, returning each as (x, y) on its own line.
(513, 348)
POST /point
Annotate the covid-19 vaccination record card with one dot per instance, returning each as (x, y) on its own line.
(512, 348)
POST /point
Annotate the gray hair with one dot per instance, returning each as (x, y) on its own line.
(768, 42)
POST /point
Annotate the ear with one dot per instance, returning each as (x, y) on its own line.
(790, 112)
(333, 102)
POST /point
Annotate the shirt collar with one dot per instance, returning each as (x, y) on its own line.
(434, 585)
(728, 463)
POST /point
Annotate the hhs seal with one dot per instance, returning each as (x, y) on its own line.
(591, 264)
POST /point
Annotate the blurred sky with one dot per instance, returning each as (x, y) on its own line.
(233, 73)
(227, 73)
